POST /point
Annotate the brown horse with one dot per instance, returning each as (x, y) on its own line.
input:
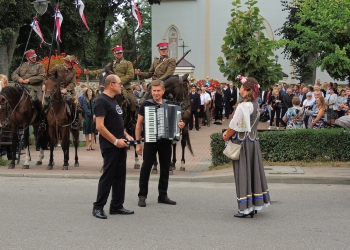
(59, 123)
(176, 90)
(16, 112)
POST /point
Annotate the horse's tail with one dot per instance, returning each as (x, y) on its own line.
(188, 142)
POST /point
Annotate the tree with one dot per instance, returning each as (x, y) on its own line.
(302, 63)
(246, 50)
(327, 35)
(101, 16)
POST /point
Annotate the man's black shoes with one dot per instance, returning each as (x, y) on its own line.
(120, 211)
(99, 213)
(166, 200)
(142, 201)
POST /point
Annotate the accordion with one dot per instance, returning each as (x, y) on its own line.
(161, 122)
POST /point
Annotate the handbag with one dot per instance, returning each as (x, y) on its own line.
(233, 150)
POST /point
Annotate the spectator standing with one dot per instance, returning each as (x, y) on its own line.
(231, 99)
(136, 91)
(341, 103)
(3, 81)
(195, 107)
(275, 108)
(218, 105)
(281, 98)
(307, 105)
(89, 127)
(294, 115)
(331, 103)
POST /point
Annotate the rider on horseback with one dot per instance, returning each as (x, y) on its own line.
(31, 74)
(66, 76)
(162, 68)
(124, 70)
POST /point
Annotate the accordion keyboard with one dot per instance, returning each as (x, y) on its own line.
(150, 124)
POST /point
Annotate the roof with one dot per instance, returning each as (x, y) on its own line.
(185, 63)
(284, 74)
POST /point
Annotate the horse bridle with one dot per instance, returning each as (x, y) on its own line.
(8, 109)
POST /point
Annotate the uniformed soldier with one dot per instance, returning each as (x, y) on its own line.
(31, 74)
(66, 76)
(124, 70)
(162, 67)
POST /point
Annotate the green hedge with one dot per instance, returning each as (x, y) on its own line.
(294, 145)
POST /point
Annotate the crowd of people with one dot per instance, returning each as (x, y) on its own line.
(304, 106)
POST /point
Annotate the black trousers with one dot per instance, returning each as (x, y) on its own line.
(150, 151)
(218, 113)
(277, 112)
(114, 176)
(195, 114)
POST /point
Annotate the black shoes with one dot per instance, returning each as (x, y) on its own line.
(240, 215)
(120, 211)
(142, 201)
(166, 200)
(99, 213)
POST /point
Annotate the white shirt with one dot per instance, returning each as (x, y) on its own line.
(308, 103)
(205, 97)
(241, 119)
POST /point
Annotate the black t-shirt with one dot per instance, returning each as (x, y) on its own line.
(113, 118)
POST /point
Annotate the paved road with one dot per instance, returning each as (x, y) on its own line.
(56, 214)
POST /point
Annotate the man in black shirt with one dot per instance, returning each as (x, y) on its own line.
(195, 107)
(109, 122)
(163, 147)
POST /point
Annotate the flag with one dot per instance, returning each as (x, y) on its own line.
(137, 15)
(80, 6)
(35, 26)
(58, 20)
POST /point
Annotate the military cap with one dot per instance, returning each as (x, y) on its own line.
(117, 49)
(30, 53)
(71, 59)
(163, 45)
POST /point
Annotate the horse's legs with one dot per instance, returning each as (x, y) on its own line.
(172, 164)
(26, 146)
(14, 147)
(52, 146)
(154, 170)
(183, 146)
(75, 133)
(42, 141)
(65, 147)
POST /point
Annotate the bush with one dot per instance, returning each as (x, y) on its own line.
(217, 145)
(294, 145)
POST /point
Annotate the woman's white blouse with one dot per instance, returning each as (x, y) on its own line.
(241, 119)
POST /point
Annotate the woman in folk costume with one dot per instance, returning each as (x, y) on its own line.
(251, 186)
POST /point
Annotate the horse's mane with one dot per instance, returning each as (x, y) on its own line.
(12, 92)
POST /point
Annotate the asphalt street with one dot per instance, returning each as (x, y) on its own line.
(56, 214)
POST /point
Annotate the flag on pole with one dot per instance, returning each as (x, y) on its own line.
(80, 6)
(137, 15)
(58, 20)
(35, 26)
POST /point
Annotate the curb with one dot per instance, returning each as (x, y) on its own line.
(282, 179)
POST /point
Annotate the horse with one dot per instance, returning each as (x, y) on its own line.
(176, 90)
(16, 112)
(59, 122)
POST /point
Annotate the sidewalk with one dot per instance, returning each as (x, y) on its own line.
(197, 166)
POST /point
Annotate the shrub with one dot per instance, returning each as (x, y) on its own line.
(294, 145)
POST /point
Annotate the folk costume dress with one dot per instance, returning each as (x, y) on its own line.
(251, 185)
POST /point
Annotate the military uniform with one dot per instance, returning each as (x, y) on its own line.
(66, 77)
(160, 69)
(35, 72)
(125, 71)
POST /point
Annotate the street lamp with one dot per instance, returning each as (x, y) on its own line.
(40, 6)
(276, 58)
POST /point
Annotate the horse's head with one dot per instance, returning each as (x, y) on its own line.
(52, 88)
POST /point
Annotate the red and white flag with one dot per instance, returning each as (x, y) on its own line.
(137, 15)
(80, 6)
(58, 20)
(35, 26)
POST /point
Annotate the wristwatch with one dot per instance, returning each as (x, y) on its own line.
(116, 142)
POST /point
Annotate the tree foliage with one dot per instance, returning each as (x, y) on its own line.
(101, 16)
(322, 28)
(246, 49)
